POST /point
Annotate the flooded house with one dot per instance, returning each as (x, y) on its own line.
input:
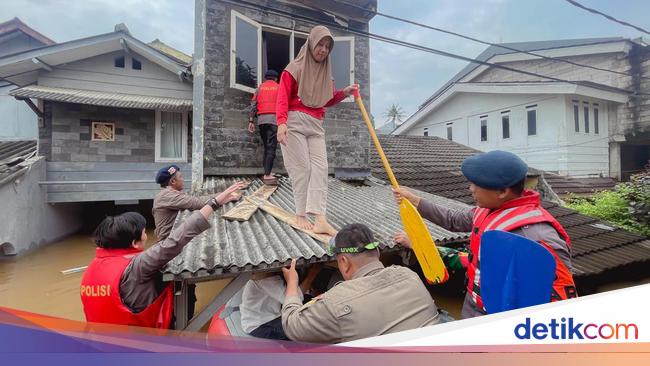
(111, 110)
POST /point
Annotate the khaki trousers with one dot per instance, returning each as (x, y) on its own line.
(305, 158)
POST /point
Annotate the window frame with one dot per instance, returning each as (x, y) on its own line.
(133, 61)
(233, 52)
(450, 131)
(425, 132)
(528, 110)
(352, 71)
(585, 113)
(483, 119)
(234, 15)
(596, 119)
(576, 115)
(157, 133)
(505, 115)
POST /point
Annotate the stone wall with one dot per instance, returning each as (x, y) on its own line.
(66, 134)
(228, 147)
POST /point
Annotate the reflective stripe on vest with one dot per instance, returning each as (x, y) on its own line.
(267, 95)
(100, 294)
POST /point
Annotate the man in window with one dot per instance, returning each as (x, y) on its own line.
(263, 107)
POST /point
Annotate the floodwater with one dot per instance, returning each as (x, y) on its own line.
(34, 282)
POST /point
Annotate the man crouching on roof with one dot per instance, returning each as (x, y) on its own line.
(394, 299)
(123, 284)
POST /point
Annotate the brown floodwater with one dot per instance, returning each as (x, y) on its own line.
(34, 282)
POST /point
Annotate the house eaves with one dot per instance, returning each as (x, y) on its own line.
(535, 46)
(22, 68)
(587, 89)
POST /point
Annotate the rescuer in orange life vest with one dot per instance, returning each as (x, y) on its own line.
(496, 180)
(263, 109)
(123, 284)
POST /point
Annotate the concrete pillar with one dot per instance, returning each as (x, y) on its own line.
(615, 160)
(198, 111)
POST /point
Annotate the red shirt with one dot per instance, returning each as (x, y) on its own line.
(288, 100)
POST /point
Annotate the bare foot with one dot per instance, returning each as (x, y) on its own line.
(321, 226)
(303, 223)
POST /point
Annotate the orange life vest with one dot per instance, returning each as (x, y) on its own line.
(100, 293)
(267, 95)
(514, 214)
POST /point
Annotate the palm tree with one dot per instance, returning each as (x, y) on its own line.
(395, 114)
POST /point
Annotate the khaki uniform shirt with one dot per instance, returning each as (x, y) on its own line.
(375, 301)
(166, 205)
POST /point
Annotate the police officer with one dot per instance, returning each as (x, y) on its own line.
(497, 181)
(394, 299)
(263, 107)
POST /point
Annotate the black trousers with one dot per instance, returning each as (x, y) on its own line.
(270, 330)
(269, 134)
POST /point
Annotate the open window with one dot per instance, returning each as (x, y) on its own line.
(342, 58)
(171, 136)
(245, 55)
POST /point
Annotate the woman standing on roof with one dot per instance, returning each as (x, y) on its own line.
(306, 89)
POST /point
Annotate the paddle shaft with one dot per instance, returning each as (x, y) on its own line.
(371, 130)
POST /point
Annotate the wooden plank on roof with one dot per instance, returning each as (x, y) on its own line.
(245, 209)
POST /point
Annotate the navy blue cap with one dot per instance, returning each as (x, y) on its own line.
(494, 170)
(166, 173)
(271, 74)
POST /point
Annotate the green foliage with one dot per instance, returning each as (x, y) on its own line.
(627, 206)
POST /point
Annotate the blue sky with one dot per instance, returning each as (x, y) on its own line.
(398, 75)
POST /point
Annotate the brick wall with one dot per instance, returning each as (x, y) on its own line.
(66, 134)
(228, 147)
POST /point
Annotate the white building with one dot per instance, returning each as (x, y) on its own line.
(574, 128)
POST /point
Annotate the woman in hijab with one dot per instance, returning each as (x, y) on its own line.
(306, 89)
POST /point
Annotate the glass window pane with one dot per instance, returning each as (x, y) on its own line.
(119, 62)
(505, 125)
(246, 49)
(171, 135)
(136, 65)
(596, 121)
(449, 133)
(484, 130)
(532, 122)
(576, 117)
(587, 119)
(340, 59)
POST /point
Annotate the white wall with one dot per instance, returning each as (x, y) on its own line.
(588, 152)
(100, 74)
(556, 146)
(32, 221)
(464, 111)
(17, 120)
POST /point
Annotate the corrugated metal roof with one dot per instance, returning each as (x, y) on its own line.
(265, 242)
(13, 155)
(103, 98)
(432, 164)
